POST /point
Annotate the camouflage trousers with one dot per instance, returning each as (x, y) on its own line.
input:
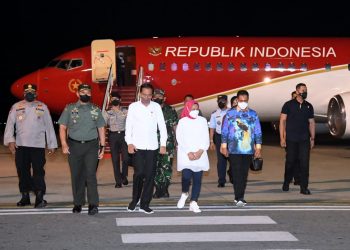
(163, 171)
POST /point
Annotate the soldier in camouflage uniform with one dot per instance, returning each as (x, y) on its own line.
(28, 130)
(165, 162)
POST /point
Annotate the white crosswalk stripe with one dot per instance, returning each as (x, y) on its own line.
(254, 236)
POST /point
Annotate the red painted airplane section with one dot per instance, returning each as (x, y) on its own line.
(207, 66)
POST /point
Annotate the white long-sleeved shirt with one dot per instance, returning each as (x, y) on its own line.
(141, 126)
(192, 135)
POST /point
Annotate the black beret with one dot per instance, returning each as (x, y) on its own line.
(222, 97)
(159, 92)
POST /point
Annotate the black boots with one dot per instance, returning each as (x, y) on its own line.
(161, 192)
(25, 200)
(39, 200)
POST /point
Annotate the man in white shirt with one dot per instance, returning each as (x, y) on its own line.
(144, 117)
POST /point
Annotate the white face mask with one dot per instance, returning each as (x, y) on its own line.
(194, 113)
(242, 105)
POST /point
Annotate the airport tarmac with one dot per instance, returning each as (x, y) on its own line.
(329, 181)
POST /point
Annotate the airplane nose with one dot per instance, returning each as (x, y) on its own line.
(17, 86)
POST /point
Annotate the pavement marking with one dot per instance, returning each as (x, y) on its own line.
(122, 209)
(194, 220)
(208, 237)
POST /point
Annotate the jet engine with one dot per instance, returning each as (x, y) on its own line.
(338, 115)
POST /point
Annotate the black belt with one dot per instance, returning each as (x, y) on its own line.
(120, 131)
(81, 141)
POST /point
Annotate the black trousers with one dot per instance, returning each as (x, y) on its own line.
(119, 146)
(143, 179)
(297, 153)
(239, 168)
(221, 160)
(28, 158)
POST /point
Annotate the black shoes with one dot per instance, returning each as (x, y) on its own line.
(25, 200)
(39, 200)
(146, 210)
(118, 185)
(125, 181)
(221, 185)
(285, 187)
(131, 207)
(92, 210)
(76, 209)
(305, 191)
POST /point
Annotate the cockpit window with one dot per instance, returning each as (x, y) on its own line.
(64, 64)
(53, 63)
(75, 63)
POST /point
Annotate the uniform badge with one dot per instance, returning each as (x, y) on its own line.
(75, 114)
(218, 123)
(94, 114)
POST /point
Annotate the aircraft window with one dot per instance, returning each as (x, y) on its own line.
(197, 66)
(244, 67)
(303, 67)
(208, 67)
(173, 67)
(162, 66)
(267, 67)
(185, 67)
(328, 67)
(291, 66)
(230, 67)
(64, 64)
(150, 66)
(280, 66)
(75, 63)
(53, 63)
(219, 66)
(255, 67)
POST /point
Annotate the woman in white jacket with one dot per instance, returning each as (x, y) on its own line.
(192, 136)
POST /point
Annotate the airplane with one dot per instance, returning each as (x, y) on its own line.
(268, 67)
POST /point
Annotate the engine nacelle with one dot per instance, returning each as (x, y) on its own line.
(338, 115)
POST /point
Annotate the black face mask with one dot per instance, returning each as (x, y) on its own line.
(29, 97)
(159, 101)
(222, 105)
(84, 98)
(115, 102)
(303, 95)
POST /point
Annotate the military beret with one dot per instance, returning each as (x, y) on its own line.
(159, 92)
(29, 87)
(84, 86)
(222, 97)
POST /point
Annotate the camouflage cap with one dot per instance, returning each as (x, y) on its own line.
(29, 87)
(84, 86)
(159, 92)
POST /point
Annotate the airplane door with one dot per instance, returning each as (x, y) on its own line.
(126, 66)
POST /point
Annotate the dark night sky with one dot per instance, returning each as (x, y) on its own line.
(33, 32)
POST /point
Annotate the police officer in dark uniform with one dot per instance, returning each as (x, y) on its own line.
(30, 120)
(115, 118)
(82, 134)
(215, 138)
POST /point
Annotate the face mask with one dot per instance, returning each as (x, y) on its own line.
(222, 105)
(115, 102)
(303, 95)
(29, 97)
(242, 105)
(84, 98)
(194, 113)
(159, 101)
